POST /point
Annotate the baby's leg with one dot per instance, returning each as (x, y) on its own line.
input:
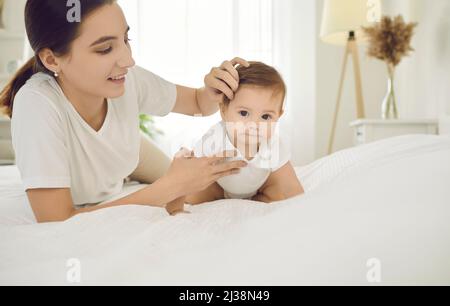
(176, 206)
(212, 193)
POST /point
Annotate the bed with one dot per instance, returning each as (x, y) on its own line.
(381, 208)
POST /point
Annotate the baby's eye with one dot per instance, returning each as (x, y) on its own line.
(266, 117)
(243, 113)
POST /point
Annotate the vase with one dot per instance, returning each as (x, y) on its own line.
(389, 105)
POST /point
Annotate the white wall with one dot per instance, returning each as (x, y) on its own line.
(423, 81)
(294, 37)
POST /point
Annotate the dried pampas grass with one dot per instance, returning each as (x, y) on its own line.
(390, 39)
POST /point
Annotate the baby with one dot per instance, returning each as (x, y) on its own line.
(249, 126)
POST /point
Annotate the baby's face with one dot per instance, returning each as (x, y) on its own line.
(252, 116)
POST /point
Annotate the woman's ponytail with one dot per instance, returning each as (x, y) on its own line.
(9, 92)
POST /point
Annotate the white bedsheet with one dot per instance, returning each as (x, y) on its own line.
(388, 201)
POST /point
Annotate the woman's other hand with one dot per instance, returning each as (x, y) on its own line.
(189, 174)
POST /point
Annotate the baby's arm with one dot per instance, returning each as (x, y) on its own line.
(176, 206)
(212, 193)
(280, 185)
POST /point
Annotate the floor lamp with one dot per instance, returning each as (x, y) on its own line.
(341, 25)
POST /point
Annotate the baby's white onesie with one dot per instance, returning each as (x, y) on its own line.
(272, 155)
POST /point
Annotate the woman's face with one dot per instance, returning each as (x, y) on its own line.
(100, 53)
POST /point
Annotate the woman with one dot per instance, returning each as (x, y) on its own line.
(75, 106)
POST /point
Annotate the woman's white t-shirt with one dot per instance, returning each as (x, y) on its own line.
(56, 148)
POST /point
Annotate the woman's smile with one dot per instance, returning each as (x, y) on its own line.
(118, 81)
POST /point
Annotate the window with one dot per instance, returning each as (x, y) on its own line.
(181, 40)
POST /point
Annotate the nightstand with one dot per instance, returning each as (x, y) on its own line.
(368, 130)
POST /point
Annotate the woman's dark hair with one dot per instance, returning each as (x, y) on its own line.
(48, 26)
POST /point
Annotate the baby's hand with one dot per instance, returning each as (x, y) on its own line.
(180, 212)
(176, 207)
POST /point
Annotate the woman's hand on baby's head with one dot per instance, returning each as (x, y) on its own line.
(224, 80)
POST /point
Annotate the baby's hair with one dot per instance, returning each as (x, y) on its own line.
(260, 75)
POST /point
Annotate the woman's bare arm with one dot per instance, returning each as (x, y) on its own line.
(53, 205)
(186, 175)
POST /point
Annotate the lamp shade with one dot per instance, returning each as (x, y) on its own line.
(343, 16)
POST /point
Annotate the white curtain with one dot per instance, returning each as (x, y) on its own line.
(181, 40)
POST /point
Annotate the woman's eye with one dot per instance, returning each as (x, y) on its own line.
(243, 113)
(266, 117)
(106, 51)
